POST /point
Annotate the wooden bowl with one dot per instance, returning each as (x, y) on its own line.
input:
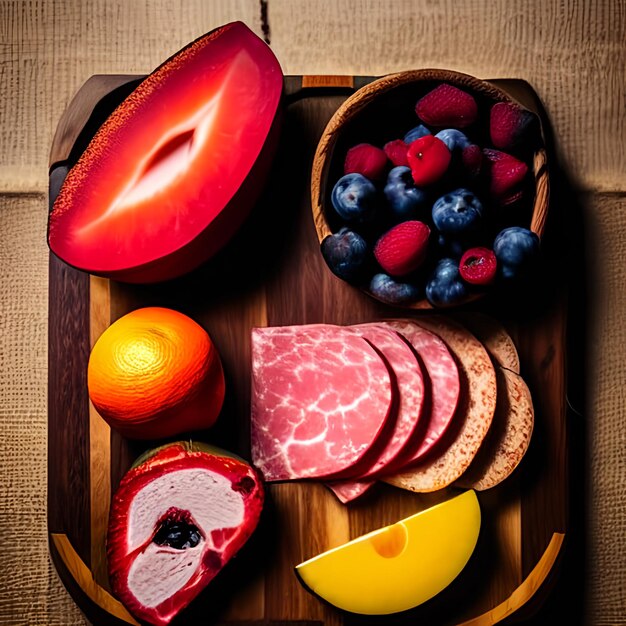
(393, 98)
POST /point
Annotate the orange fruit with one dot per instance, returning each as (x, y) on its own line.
(155, 373)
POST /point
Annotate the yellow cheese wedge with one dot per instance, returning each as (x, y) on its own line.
(397, 567)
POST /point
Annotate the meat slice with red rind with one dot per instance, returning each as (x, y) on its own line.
(443, 377)
(322, 397)
(473, 416)
(179, 515)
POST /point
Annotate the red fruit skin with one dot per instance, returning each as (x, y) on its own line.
(170, 458)
(510, 125)
(188, 221)
(396, 151)
(403, 249)
(428, 159)
(478, 266)
(447, 106)
(505, 172)
(367, 160)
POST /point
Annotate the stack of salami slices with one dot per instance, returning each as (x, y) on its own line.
(418, 403)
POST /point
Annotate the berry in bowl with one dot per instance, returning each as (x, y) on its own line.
(430, 189)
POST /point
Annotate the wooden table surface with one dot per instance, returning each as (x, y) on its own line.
(572, 53)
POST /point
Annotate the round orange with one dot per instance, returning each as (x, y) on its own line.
(155, 373)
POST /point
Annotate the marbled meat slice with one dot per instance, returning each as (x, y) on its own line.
(494, 337)
(472, 419)
(508, 438)
(348, 491)
(443, 376)
(408, 425)
(321, 397)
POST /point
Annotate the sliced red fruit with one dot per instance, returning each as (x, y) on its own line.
(510, 125)
(397, 150)
(505, 172)
(403, 249)
(173, 172)
(179, 515)
(478, 266)
(367, 160)
(447, 106)
(428, 159)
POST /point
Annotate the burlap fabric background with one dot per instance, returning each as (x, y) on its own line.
(572, 53)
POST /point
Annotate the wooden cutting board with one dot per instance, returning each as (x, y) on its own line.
(273, 274)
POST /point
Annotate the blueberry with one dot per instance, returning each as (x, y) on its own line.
(457, 212)
(354, 198)
(345, 253)
(453, 138)
(403, 196)
(179, 535)
(393, 292)
(450, 247)
(416, 133)
(445, 286)
(515, 250)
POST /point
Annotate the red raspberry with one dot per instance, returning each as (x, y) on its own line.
(428, 159)
(396, 151)
(505, 172)
(448, 107)
(403, 249)
(510, 125)
(478, 266)
(367, 160)
(472, 158)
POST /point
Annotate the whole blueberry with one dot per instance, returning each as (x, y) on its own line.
(445, 287)
(416, 133)
(457, 212)
(354, 198)
(393, 292)
(403, 196)
(345, 253)
(515, 249)
(453, 138)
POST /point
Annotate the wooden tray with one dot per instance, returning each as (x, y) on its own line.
(271, 274)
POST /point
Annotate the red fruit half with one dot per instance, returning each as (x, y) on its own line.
(173, 172)
(178, 516)
(367, 160)
(511, 125)
(403, 249)
(428, 159)
(478, 266)
(396, 151)
(447, 106)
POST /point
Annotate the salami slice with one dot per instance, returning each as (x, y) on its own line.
(494, 337)
(508, 438)
(348, 491)
(443, 375)
(473, 417)
(321, 397)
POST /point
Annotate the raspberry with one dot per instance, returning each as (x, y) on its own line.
(428, 159)
(478, 266)
(505, 172)
(403, 249)
(447, 106)
(367, 160)
(396, 151)
(510, 125)
(472, 157)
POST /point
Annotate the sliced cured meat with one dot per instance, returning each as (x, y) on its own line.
(473, 417)
(494, 337)
(321, 398)
(443, 375)
(348, 491)
(409, 378)
(509, 435)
